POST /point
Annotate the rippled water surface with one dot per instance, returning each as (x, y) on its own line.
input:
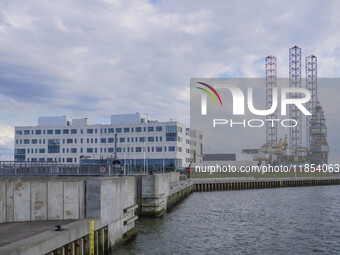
(303, 220)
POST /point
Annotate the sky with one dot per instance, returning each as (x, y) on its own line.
(96, 58)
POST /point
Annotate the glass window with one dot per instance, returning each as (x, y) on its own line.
(73, 150)
(151, 139)
(126, 130)
(38, 132)
(138, 129)
(66, 131)
(102, 140)
(89, 150)
(34, 141)
(19, 132)
(158, 149)
(159, 128)
(26, 132)
(122, 139)
(50, 131)
(69, 141)
(57, 131)
(141, 139)
(49, 159)
(26, 141)
(41, 159)
(73, 131)
(69, 160)
(53, 145)
(171, 133)
(34, 159)
(150, 129)
(89, 131)
(110, 140)
(118, 130)
(110, 130)
(171, 148)
(138, 149)
(41, 150)
(110, 150)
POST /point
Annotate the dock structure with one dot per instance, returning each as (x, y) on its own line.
(219, 184)
(31, 208)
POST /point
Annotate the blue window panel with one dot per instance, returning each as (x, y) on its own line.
(73, 150)
(159, 128)
(41, 150)
(118, 130)
(89, 131)
(110, 140)
(158, 149)
(126, 130)
(150, 129)
(50, 131)
(142, 139)
(110, 130)
(57, 131)
(66, 131)
(73, 131)
(151, 139)
(89, 150)
(26, 141)
(122, 140)
(69, 141)
(138, 149)
(138, 129)
(26, 132)
(172, 148)
(102, 140)
(38, 132)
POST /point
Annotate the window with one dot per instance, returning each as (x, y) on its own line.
(110, 150)
(126, 130)
(49, 159)
(89, 131)
(138, 149)
(73, 150)
(171, 133)
(34, 159)
(158, 149)
(179, 149)
(180, 129)
(69, 160)
(41, 159)
(57, 131)
(110, 140)
(26, 141)
(118, 130)
(19, 132)
(102, 140)
(110, 130)
(69, 141)
(151, 139)
(34, 141)
(26, 132)
(41, 150)
(122, 140)
(150, 129)
(53, 145)
(50, 131)
(65, 131)
(159, 128)
(171, 148)
(73, 131)
(89, 150)
(119, 149)
(141, 139)
(38, 132)
(138, 129)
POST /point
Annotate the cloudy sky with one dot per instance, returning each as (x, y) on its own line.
(94, 58)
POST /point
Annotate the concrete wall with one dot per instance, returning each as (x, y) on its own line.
(110, 199)
(41, 199)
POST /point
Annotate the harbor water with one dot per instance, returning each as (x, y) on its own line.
(304, 220)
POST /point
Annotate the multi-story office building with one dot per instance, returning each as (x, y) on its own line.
(140, 142)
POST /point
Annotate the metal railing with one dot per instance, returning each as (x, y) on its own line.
(13, 168)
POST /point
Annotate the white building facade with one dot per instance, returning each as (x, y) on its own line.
(140, 142)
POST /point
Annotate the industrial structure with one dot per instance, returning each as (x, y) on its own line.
(290, 149)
